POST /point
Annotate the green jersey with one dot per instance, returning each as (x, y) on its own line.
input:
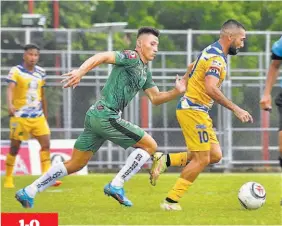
(128, 76)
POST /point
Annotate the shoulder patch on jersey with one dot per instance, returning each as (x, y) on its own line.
(213, 70)
(130, 54)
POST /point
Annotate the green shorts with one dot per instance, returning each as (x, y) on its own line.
(98, 130)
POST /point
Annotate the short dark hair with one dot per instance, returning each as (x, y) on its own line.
(232, 23)
(148, 30)
(31, 46)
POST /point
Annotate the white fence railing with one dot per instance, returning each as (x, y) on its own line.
(241, 144)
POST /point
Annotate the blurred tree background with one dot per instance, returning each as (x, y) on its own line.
(176, 15)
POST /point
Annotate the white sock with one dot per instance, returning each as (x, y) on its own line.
(46, 180)
(132, 165)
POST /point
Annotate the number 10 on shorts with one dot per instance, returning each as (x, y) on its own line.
(29, 219)
(203, 136)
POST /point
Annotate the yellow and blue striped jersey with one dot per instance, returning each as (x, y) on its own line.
(27, 96)
(211, 61)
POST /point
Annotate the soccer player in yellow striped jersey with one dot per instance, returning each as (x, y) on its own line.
(205, 79)
(27, 109)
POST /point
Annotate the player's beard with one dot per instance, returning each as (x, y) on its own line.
(233, 50)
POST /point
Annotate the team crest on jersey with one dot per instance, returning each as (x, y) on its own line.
(216, 63)
(100, 107)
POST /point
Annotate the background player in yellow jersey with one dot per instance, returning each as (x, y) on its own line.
(206, 75)
(27, 109)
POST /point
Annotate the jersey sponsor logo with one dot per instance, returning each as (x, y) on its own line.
(131, 168)
(49, 179)
(201, 126)
(139, 157)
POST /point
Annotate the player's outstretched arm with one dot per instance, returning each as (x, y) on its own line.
(74, 77)
(157, 97)
(214, 92)
(265, 102)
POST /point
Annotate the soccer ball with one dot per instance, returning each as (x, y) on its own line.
(252, 195)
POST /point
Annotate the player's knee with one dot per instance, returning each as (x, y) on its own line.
(203, 159)
(216, 157)
(14, 150)
(46, 147)
(152, 147)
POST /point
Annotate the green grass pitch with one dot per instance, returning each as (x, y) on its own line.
(211, 200)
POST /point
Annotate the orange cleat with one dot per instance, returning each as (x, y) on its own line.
(57, 183)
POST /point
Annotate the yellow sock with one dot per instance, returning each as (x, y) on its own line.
(178, 159)
(10, 163)
(178, 190)
(45, 160)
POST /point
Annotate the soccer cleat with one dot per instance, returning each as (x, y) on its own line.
(57, 183)
(9, 182)
(24, 199)
(170, 206)
(118, 194)
(158, 167)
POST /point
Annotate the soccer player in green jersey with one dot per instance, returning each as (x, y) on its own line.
(103, 120)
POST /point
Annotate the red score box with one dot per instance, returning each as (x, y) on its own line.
(29, 219)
